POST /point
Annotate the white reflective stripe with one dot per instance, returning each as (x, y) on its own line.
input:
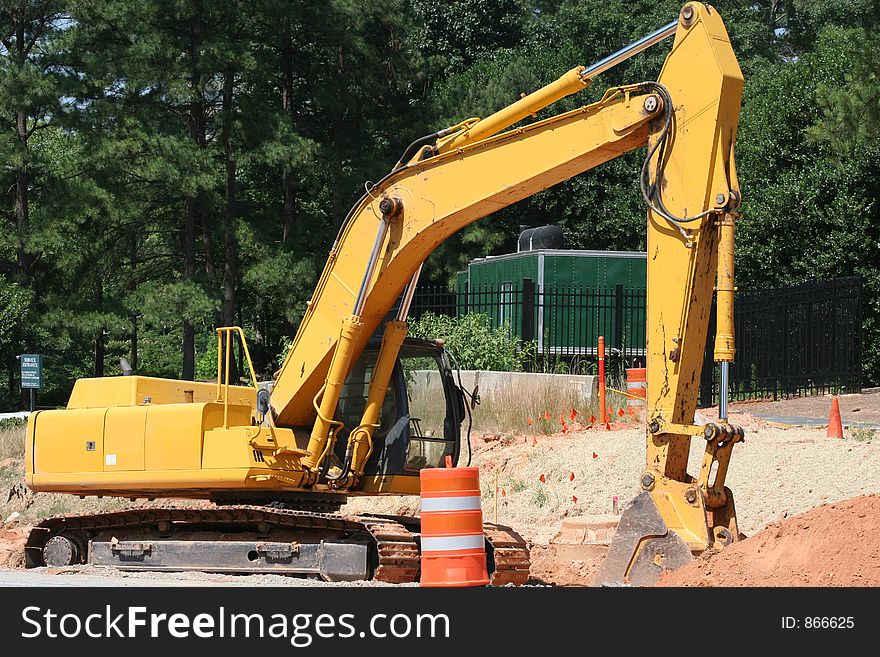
(451, 503)
(469, 542)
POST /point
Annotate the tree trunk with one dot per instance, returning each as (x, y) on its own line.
(288, 180)
(197, 132)
(99, 334)
(208, 241)
(22, 210)
(133, 356)
(288, 210)
(132, 287)
(230, 259)
(339, 143)
(189, 272)
(99, 352)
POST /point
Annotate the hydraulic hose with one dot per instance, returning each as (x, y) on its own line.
(417, 144)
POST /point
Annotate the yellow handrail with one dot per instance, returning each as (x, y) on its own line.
(223, 372)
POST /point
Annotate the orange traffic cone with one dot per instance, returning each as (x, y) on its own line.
(835, 427)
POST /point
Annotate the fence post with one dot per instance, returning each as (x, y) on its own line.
(809, 360)
(527, 323)
(618, 318)
(857, 336)
(782, 372)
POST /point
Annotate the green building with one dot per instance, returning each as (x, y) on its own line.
(562, 299)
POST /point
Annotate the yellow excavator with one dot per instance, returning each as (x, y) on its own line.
(273, 460)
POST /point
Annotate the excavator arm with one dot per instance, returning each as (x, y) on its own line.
(687, 120)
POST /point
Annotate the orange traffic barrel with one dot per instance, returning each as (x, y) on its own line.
(637, 387)
(453, 544)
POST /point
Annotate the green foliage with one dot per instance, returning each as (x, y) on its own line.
(862, 434)
(517, 486)
(475, 342)
(286, 344)
(851, 113)
(14, 302)
(464, 31)
(539, 497)
(11, 423)
(206, 363)
(811, 207)
(185, 163)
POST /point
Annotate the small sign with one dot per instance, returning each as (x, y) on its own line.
(31, 371)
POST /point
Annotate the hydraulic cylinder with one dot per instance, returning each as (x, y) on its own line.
(724, 289)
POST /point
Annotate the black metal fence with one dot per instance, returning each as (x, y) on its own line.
(562, 323)
(793, 341)
(800, 340)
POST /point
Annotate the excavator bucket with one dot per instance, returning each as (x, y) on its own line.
(642, 548)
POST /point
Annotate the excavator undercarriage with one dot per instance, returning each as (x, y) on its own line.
(246, 539)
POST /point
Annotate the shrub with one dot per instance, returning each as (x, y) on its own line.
(475, 342)
(862, 434)
(11, 443)
(12, 423)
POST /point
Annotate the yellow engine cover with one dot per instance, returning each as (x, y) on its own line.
(164, 448)
(142, 390)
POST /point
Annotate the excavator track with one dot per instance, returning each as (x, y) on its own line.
(397, 549)
(394, 551)
(510, 555)
(394, 557)
(507, 553)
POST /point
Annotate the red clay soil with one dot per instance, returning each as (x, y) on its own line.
(12, 540)
(548, 568)
(831, 545)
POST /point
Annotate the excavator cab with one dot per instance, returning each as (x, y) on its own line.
(415, 431)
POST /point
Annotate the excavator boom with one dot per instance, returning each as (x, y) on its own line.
(443, 194)
(440, 196)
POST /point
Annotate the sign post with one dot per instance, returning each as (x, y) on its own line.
(31, 375)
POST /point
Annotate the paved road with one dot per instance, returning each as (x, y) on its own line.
(20, 578)
(109, 577)
(857, 410)
(803, 421)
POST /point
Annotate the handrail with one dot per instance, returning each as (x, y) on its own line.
(224, 346)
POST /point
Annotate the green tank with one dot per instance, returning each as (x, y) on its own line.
(577, 296)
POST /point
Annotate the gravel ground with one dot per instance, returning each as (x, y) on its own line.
(95, 576)
(774, 474)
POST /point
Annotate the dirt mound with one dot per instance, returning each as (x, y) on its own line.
(831, 545)
(548, 567)
(12, 540)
